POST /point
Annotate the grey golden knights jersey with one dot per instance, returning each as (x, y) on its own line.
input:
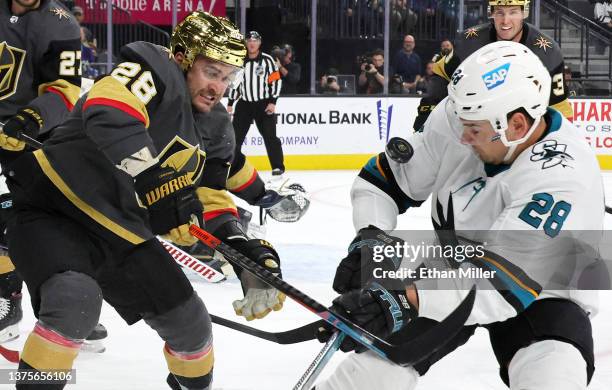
(143, 102)
(472, 39)
(40, 61)
(524, 212)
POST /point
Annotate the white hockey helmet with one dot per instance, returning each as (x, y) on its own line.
(496, 80)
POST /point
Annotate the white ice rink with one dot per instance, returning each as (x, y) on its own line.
(310, 251)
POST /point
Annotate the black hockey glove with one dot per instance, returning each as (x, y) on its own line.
(374, 308)
(26, 122)
(171, 199)
(260, 251)
(357, 268)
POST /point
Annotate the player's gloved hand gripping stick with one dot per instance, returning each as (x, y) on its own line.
(407, 353)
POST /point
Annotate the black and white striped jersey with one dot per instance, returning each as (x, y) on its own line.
(261, 81)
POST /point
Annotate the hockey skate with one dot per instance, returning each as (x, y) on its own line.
(93, 342)
(10, 315)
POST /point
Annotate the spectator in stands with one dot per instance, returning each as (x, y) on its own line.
(86, 35)
(403, 19)
(422, 84)
(328, 84)
(88, 57)
(407, 63)
(291, 72)
(372, 76)
(602, 14)
(574, 88)
(446, 49)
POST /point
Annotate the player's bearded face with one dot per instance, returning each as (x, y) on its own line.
(508, 22)
(482, 138)
(207, 81)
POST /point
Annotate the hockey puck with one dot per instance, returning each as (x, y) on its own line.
(399, 150)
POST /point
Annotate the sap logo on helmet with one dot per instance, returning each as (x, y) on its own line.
(496, 77)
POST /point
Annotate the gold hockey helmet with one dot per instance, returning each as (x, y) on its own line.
(213, 37)
(521, 3)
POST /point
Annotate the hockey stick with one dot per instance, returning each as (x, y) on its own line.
(608, 209)
(293, 336)
(198, 266)
(26, 138)
(320, 361)
(407, 353)
(9, 354)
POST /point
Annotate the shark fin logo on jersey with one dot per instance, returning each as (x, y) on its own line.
(497, 76)
(11, 63)
(476, 185)
(182, 156)
(552, 153)
(384, 116)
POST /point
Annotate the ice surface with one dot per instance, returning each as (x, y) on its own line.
(310, 250)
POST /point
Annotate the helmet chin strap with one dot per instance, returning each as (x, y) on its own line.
(513, 144)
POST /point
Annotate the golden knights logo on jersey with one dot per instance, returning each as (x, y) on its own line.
(11, 62)
(552, 153)
(182, 156)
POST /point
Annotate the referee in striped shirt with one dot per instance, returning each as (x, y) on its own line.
(256, 100)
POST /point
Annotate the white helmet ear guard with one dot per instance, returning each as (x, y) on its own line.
(496, 80)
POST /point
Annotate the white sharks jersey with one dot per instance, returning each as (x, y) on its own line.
(524, 212)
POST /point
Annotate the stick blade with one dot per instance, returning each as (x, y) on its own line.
(418, 349)
(293, 336)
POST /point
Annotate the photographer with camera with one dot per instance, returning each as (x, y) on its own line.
(372, 77)
(329, 83)
(291, 72)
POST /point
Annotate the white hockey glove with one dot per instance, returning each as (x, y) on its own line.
(259, 299)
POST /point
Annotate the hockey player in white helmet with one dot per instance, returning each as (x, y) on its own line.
(510, 174)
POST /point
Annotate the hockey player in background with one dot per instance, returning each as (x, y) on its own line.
(121, 169)
(495, 158)
(221, 214)
(40, 79)
(507, 24)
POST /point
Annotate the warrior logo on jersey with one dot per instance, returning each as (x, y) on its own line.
(496, 77)
(552, 153)
(182, 156)
(11, 62)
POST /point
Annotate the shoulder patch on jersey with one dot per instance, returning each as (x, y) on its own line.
(551, 153)
(60, 13)
(11, 63)
(543, 43)
(471, 32)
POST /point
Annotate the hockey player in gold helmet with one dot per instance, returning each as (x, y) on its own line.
(123, 168)
(507, 24)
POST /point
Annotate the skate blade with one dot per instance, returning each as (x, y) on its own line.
(94, 346)
(9, 333)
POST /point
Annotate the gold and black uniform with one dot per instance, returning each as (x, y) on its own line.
(224, 172)
(40, 62)
(74, 209)
(476, 37)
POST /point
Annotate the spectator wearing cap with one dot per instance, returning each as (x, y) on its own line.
(255, 99)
